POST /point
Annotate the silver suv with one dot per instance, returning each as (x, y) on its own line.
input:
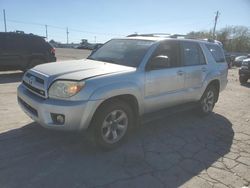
(121, 81)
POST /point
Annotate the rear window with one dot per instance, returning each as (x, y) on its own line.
(216, 52)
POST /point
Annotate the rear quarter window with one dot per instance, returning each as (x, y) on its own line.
(216, 52)
(37, 44)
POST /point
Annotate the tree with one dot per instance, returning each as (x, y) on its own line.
(233, 38)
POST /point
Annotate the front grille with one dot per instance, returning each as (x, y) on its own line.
(28, 107)
(37, 79)
(35, 90)
(35, 82)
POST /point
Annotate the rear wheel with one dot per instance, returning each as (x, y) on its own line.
(112, 123)
(243, 79)
(207, 101)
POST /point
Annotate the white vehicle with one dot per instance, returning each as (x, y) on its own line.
(121, 81)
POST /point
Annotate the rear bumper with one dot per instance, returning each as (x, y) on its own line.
(52, 59)
(78, 114)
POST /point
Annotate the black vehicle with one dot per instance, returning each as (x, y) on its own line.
(19, 51)
(238, 60)
(244, 71)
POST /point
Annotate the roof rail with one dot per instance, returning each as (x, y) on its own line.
(165, 35)
(175, 36)
(149, 35)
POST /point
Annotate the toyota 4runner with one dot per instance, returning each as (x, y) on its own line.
(121, 81)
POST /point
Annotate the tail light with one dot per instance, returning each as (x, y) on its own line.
(53, 51)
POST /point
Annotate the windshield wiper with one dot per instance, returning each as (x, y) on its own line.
(106, 60)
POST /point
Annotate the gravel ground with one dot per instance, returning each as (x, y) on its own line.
(180, 150)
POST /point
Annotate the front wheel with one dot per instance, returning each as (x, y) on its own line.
(112, 123)
(207, 101)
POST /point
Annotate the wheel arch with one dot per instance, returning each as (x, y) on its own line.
(127, 98)
(215, 83)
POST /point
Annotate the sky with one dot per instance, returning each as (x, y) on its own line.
(101, 20)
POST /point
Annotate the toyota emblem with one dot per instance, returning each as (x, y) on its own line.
(31, 80)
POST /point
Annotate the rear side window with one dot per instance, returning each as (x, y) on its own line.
(192, 54)
(15, 43)
(216, 52)
(36, 44)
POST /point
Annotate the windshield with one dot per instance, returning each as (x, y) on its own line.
(128, 52)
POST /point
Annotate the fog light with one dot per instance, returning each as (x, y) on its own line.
(58, 118)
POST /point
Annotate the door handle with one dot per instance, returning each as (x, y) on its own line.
(180, 72)
(204, 69)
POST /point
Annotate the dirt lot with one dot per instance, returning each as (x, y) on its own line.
(171, 151)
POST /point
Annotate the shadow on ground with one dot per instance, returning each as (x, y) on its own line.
(10, 77)
(168, 151)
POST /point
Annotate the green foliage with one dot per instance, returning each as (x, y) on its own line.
(233, 38)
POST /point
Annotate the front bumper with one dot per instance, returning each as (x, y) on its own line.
(244, 72)
(78, 114)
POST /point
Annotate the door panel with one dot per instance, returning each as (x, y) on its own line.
(194, 78)
(164, 85)
(163, 88)
(13, 51)
(195, 69)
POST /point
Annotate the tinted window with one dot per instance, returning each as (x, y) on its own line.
(192, 54)
(216, 52)
(35, 44)
(15, 43)
(171, 50)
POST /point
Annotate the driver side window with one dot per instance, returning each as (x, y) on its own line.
(169, 50)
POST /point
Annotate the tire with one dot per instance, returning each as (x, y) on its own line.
(111, 124)
(207, 101)
(243, 79)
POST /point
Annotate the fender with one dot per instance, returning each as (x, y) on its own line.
(121, 88)
(209, 78)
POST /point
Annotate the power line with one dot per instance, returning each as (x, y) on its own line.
(63, 28)
(22, 22)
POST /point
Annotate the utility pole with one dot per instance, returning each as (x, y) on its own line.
(4, 18)
(67, 32)
(215, 23)
(46, 29)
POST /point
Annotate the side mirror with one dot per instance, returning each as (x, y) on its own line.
(159, 62)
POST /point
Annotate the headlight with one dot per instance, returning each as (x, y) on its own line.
(65, 89)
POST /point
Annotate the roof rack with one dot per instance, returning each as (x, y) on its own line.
(175, 36)
(165, 35)
(30, 34)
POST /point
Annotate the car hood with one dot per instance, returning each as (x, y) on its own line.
(80, 69)
(241, 58)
